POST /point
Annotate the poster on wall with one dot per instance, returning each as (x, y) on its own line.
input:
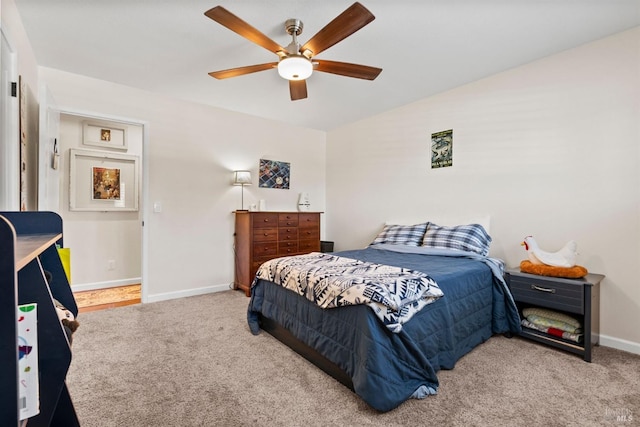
(274, 174)
(442, 149)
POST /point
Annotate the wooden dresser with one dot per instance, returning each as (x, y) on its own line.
(261, 236)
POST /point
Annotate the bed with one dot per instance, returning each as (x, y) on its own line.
(382, 366)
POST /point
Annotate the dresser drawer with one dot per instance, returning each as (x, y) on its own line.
(265, 249)
(265, 219)
(309, 233)
(287, 233)
(265, 234)
(287, 248)
(309, 220)
(548, 293)
(306, 246)
(287, 220)
(255, 265)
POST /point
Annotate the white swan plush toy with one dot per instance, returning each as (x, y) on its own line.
(565, 257)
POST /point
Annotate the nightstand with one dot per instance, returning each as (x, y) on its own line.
(579, 298)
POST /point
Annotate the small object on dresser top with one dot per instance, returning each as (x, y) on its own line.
(565, 257)
(574, 272)
(304, 205)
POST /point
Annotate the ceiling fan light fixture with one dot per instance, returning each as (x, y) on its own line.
(295, 67)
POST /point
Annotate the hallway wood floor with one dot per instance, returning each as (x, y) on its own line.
(101, 299)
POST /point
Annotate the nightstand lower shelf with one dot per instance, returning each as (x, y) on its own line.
(541, 337)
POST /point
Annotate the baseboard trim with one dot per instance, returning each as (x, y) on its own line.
(620, 344)
(106, 285)
(186, 293)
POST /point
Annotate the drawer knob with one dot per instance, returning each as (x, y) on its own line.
(538, 288)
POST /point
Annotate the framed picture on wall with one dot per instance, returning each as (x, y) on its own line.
(103, 181)
(442, 149)
(274, 174)
(100, 133)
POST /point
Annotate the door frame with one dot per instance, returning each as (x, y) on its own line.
(9, 123)
(144, 185)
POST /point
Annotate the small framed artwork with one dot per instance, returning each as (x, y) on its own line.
(106, 183)
(101, 133)
(274, 174)
(103, 181)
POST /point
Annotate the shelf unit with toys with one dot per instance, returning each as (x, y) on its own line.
(28, 247)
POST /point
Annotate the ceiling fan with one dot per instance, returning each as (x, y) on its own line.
(296, 62)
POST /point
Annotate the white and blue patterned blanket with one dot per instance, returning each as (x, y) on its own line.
(395, 294)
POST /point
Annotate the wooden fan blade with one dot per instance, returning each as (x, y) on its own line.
(345, 24)
(346, 69)
(298, 89)
(240, 71)
(227, 19)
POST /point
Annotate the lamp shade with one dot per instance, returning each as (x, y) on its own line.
(295, 67)
(241, 178)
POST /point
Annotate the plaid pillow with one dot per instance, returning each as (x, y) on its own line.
(470, 238)
(410, 235)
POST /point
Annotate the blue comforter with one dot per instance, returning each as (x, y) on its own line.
(388, 368)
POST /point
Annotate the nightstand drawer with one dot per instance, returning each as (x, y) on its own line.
(547, 293)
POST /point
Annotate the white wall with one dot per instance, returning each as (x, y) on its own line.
(549, 149)
(191, 152)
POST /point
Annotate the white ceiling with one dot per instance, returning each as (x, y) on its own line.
(423, 46)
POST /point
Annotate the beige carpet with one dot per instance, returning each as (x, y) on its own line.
(193, 362)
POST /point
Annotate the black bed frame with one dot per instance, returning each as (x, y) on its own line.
(313, 356)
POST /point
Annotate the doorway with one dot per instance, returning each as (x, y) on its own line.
(108, 247)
